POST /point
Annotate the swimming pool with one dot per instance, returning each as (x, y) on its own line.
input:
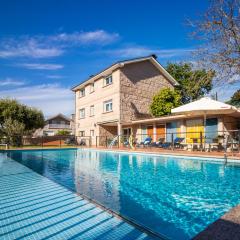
(174, 196)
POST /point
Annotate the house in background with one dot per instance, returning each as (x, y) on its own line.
(108, 102)
(56, 123)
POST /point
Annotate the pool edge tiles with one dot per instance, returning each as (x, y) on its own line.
(154, 154)
(33, 206)
(173, 155)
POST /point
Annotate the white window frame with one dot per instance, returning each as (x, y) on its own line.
(80, 115)
(92, 133)
(92, 87)
(107, 103)
(109, 79)
(81, 93)
(91, 111)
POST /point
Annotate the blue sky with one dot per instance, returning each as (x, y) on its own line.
(46, 47)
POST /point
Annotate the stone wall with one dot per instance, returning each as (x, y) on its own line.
(139, 82)
(106, 132)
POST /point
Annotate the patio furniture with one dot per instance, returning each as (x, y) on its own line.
(146, 142)
(158, 143)
(233, 146)
(70, 140)
(177, 143)
(194, 145)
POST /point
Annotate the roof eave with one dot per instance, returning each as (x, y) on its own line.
(165, 72)
(121, 64)
(97, 76)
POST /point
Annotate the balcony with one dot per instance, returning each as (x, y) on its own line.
(59, 126)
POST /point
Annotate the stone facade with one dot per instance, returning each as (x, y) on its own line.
(106, 132)
(133, 85)
(139, 82)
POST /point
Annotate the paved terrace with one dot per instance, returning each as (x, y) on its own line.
(34, 207)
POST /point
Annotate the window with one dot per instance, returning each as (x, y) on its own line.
(107, 106)
(82, 113)
(81, 133)
(108, 80)
(82, 92)
(91, 110)
(92, 133)
(91, 87)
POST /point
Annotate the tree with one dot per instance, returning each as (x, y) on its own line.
(164, 101)
(19, 115)
(193, 84)
(235, 99)
(13, 130)
(63, 132)
(219, 31)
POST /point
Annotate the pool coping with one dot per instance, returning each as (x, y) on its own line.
(226, 227)
(213, 158)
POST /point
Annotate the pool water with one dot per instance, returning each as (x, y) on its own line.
(175, 197)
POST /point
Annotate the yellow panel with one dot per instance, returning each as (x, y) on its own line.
(193, 129)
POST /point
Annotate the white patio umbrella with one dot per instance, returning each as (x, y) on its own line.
(205, 106)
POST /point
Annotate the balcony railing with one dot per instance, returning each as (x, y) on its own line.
(61, 126)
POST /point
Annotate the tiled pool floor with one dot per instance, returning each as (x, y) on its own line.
(34, 207)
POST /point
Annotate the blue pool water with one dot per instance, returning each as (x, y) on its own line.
(175, 197)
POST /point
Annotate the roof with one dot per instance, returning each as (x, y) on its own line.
(196, 108)
(206, 105)
(120, 64)
(61, 116)
(159, 119)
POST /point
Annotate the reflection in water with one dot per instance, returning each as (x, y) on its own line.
(96, 175)
(176, 197)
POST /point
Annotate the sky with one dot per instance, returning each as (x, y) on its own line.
(47, 47)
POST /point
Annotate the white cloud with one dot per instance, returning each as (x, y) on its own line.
(92, 37)
(54, 76)
(41, 66)
(50, 98)
(136, 51)
(8, 82)
(28, 48)
(47, 46)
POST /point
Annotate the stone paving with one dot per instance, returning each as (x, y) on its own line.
(225, 228)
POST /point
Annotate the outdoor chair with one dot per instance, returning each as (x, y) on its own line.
(158, 143)
(126, 143)
(177, 143)
(146, 142)
(70, 140)
(195, 145)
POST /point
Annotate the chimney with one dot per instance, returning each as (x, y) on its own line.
(154, 56)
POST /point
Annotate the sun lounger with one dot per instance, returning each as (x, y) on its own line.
(177, 143)
(146, 142)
